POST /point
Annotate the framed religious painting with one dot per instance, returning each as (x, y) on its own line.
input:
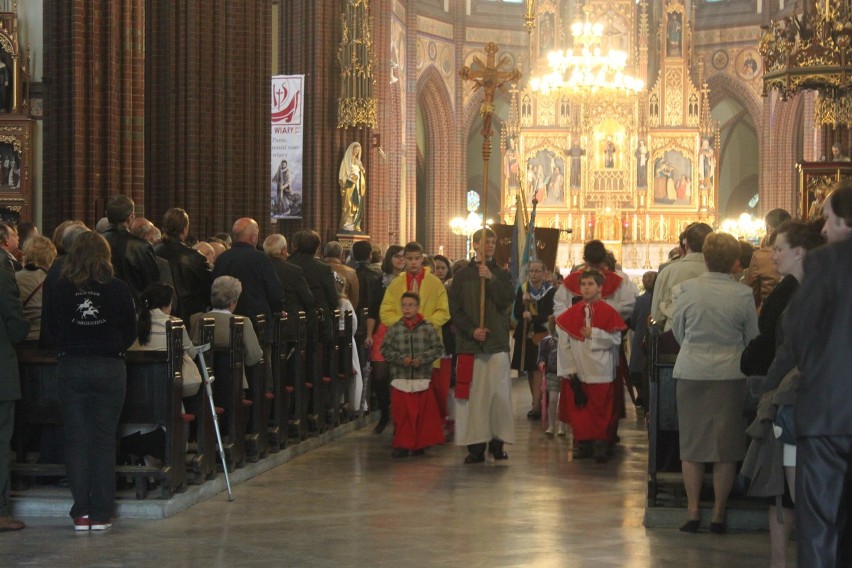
(545, 165)
(16, 150)
(674, 172)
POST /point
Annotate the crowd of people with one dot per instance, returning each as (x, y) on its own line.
(768, 323)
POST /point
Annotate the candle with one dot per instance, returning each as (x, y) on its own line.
(583, 227)
(662, 228)
(556, 223)
(570, 220)
(647, 227)
(441, 250)
(635, 230)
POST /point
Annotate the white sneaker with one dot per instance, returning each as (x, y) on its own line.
(561, 430)
(549, 431)
(100, 525)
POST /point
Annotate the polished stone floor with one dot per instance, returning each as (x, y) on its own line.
(350, 504)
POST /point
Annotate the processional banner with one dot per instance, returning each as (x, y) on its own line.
(287, 146)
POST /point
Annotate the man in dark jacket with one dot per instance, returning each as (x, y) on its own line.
(262, 291)
(191, 274)
(297, 293)
(319, 275)
(132, 258)
(820, 317)
(13, 328)
(484, 412)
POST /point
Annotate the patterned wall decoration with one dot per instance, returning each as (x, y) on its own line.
(433, 52)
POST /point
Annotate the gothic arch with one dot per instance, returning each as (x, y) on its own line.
(723, 87)
(433, 100)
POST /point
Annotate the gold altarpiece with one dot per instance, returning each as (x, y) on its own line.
(17, 147)
(623, 168)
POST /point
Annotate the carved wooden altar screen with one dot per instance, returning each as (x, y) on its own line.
(16, 126)
(616, 167)
(816, 180)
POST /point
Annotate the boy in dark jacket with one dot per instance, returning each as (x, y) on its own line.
(410, 347)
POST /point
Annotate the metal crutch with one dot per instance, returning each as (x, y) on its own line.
(207, 381)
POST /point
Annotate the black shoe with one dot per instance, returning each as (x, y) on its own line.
(583, 451)
(496, 450)
(690, 526)
(599, 451)
(474, 458)
(420, 452)
(534, 414)
(718, 528)
(380, 427)
(399, 453)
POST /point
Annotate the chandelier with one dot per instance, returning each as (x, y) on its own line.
(587, 69)
(813, 51)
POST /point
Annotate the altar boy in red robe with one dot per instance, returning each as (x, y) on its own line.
(587, 402)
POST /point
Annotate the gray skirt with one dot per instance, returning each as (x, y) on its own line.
(712, 428)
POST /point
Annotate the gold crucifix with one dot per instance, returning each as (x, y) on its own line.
(489, 77)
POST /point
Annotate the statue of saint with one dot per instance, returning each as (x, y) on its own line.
(352, 178)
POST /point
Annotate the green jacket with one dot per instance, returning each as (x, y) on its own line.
(464, 295)
(421, 342)
(13, 328)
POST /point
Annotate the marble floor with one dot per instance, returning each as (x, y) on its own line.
(350, 504)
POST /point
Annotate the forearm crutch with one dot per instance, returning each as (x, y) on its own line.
(207, 381)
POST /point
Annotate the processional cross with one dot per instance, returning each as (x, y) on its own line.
(489, 76)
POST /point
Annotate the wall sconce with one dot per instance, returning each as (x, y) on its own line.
(377, 143)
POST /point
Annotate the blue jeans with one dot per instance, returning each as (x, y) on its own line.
(92, 393)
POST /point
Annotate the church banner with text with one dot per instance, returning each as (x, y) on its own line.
(287, 149)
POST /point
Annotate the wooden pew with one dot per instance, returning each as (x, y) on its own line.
(296, 378)
(315, 383)
(279, 419)
(330, 375)
(345, 371)
(661, 359)
(154, 390)
(257, 439)
(202, 463)
(228, 363)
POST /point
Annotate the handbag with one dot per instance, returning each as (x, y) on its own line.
(191, 376)
(785, 421)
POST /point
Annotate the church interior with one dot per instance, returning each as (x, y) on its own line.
(140, 98)
(618, 120)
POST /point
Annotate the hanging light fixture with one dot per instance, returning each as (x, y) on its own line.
(588, 68)
(813, 51)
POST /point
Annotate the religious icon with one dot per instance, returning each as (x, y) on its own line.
(575, 154)
(673, 179)
(707, 163)
(642, 164)
(674, 35)
(609, 151)
(546, 178)
(511, 167)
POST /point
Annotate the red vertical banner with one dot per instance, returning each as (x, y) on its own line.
(287, 98)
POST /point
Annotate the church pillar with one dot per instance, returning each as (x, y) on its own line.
(94, 74)
(407, 223)
(310, 37)
(207, 111)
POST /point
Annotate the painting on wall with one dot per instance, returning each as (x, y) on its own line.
(673, 179)
(545, 178)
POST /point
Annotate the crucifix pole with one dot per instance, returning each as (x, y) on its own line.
(489, 76)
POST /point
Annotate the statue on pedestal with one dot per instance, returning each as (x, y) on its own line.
(352, 178)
